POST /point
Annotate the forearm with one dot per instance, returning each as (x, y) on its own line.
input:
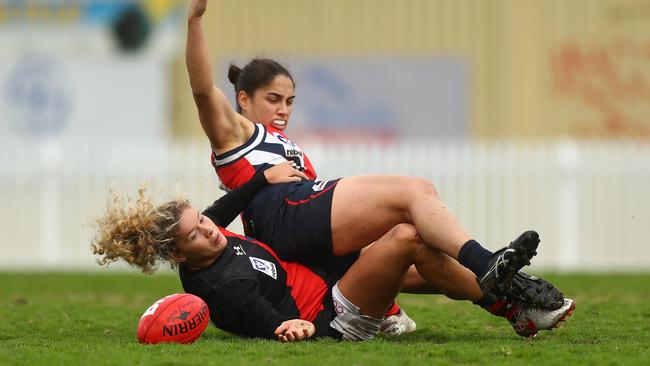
(197, 57)
(224, 210)
(239, 307)
(221, 125)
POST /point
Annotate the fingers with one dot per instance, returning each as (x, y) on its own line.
(281, 329)
(306, 333)
(294, 330)
(292, 334)
(197, 8)
(284, 172)
(302, 175)
(296, 172)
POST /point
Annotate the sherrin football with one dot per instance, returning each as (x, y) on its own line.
(178, 318)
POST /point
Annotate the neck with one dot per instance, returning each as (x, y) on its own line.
(199, 265)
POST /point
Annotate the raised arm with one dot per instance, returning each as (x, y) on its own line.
(225, 128)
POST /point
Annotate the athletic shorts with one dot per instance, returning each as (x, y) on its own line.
(294, 219)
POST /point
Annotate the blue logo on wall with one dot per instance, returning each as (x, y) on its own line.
(37, 99)
(336, 104)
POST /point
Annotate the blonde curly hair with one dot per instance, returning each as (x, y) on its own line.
(139, 232)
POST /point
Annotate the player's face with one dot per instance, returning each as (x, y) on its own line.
(199, 240)
(270, 104)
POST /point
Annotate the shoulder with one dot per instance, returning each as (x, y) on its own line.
(233, 137)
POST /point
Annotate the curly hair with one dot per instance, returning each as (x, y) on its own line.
(138, 232)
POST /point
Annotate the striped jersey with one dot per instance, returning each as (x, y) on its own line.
(266, 147)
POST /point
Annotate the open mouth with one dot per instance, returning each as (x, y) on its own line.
(279, 124)
(219, 240)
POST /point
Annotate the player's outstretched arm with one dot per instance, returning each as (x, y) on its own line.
(222, 125)
(295, 330)
(196, 52)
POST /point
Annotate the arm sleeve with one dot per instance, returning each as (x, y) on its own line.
(240, 308)
(224, 210)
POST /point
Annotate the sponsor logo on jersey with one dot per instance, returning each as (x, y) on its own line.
(265, 267)
(292, 152)
(283, 139)
(319, 186)
(290, 149)
(239, 250)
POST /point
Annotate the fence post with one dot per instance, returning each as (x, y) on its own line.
(568, 159)
(50, 221)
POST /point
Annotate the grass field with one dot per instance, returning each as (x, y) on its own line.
(90, 319)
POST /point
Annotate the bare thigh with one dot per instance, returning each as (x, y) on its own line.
(375, 279)
(364, 208)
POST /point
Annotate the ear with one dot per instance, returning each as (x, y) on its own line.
(243, 100)
(179, 258)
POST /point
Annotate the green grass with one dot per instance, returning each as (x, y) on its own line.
(90, 319)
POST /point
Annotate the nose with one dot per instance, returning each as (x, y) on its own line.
(207, 229)
(283, 109)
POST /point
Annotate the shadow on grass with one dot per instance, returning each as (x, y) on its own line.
(415, 338)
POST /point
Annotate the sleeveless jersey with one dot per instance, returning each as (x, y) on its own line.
(250, 291)
(266, 147)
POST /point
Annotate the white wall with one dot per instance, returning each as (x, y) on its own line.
(589, 201)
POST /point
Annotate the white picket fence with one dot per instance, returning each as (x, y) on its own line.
(590, 201)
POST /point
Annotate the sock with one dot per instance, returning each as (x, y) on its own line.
(473, 256)
(488, 304)
(502, 308)
(392, 310)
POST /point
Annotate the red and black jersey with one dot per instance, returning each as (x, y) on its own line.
(250, 291)
(266, 147)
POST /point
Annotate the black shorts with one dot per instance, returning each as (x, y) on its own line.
(294, 219)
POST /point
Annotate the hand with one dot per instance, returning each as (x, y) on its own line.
(295, 330)
(197, 8)
(283, 173)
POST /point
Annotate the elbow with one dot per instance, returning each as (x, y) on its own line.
(201, 92)
(198, 94)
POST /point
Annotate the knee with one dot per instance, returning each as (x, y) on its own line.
(422, 187)
(406, 235)
(404, 241)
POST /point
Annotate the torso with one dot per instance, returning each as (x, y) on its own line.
(265, 148)
(293, 290)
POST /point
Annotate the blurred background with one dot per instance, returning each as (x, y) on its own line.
(524, 113)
